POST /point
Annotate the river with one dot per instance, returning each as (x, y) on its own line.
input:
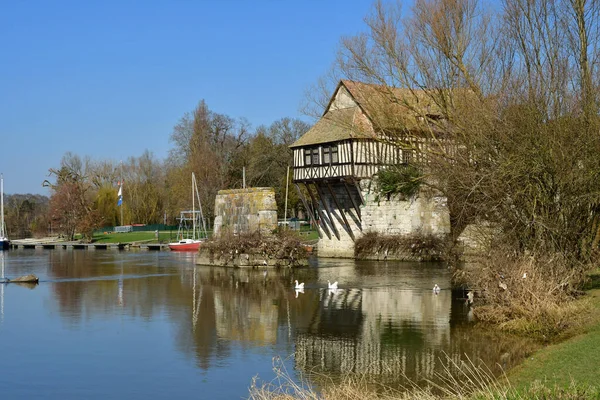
(152, 325)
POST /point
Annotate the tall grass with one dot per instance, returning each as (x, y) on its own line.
(417, 246)
(531, 295)
(458, 381)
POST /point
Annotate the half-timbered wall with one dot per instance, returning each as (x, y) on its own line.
(359, 159)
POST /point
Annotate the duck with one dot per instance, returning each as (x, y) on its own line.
(299, 285)
(436, 289)
(333, 285)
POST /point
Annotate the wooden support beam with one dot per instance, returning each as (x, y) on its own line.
(342, 213)
(356, 207)
(326, 206)
(362, 199)
(309, 210)
(321, 216)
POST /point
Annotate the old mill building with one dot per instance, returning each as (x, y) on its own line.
(362, 131)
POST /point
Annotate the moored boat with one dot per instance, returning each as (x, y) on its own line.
(185, 245)
(190, 239)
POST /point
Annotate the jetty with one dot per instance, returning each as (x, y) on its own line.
(75, 245)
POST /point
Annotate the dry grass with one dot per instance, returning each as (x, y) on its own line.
(284, 244)
(458, 382)
(418, 247)
(530, 295)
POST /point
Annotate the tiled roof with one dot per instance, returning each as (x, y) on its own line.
(337, 125)
(379, 109)
(392, 108)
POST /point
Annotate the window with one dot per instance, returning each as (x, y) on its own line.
(326, 158)
(334, 154)
(307, 156)
(407, 156)
(330, 155)
(315, 156)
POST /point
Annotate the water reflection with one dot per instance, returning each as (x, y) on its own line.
(384, 320)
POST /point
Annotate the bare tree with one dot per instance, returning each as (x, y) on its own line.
(513, 93)
(208, 144)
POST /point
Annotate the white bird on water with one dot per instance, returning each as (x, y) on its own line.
(333, 285)
(299, 285)
(525, 275)
(436, 289)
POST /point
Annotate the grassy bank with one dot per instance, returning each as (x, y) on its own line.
(168, 236)
(575, 360)
(130, 237)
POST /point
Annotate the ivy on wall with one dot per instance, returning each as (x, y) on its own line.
(401, 179)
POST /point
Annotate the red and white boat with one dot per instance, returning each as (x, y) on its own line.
(185, 245)
(192, 228)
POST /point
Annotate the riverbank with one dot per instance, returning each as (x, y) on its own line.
(574, 362)
(567, 369)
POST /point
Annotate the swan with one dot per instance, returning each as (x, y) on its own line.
(470, 296)
(299, 291)
(333, 285)
(436, 289)
(524, 275)
(299, 285)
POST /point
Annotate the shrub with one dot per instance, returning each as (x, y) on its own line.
(400, 179)
(283, 244)
(527, 294)
(422, 247)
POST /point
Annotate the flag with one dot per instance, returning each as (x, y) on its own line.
(120, 194)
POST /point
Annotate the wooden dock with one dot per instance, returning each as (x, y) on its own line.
(28, 244)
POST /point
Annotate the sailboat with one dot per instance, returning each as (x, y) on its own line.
(4, 242)
(186, 240)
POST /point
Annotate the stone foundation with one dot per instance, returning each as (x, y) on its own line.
(424, 214)
(245, 210)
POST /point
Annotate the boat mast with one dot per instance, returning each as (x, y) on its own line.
(193, 208)
(121, 192)
(202, 225)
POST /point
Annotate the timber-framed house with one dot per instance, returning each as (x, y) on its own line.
(363, 129)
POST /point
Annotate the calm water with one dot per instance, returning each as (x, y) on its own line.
(152, 325)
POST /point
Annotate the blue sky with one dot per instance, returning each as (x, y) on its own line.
(109, 79)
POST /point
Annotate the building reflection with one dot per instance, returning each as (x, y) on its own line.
(384, 321)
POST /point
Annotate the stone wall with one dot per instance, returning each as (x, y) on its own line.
(425, 214)
(245, 211)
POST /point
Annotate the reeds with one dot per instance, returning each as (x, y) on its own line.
(417, 246)
(458, 381)
(529, 295)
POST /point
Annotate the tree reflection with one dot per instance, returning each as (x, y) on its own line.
(384, 320)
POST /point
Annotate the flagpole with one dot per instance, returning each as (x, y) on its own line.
(287, 181)
(121, 190)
